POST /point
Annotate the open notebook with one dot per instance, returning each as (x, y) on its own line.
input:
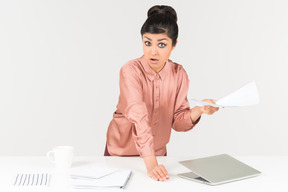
(99, 178)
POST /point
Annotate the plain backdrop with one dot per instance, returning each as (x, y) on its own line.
(60, 62)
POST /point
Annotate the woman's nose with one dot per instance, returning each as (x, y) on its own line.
(154, 50)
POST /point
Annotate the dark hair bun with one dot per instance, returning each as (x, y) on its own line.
(161, 19)
(163, 9)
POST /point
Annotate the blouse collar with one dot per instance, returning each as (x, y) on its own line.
(151, 74)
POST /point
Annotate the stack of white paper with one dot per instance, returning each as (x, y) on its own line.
(91, 172)
(244, 96)
(99, 178)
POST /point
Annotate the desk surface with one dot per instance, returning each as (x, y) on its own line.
(274, 175)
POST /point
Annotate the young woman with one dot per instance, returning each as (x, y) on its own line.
(153, 97)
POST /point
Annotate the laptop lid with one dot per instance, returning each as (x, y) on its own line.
(217, 169)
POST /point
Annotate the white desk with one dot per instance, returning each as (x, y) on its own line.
(274, 175)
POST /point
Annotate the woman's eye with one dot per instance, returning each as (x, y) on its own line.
(162, 45)
(147, 43)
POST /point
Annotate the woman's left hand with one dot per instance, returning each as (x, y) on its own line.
(207, 109)
(197, 111)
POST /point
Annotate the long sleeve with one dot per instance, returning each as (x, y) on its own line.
(181, 118)
(134, 109)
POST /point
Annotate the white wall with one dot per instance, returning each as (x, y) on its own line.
(60, 60)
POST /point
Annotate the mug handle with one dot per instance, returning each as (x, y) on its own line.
(49, 155)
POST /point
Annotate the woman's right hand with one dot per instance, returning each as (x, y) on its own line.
(157, 172)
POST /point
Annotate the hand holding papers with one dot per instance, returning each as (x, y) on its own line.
(99, 178)
(245, 96)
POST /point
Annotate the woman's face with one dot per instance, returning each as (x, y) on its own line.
(157, 49)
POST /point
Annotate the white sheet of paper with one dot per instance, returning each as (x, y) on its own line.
(91, 172)
(117, 179)
(244, 96)
(202, 103)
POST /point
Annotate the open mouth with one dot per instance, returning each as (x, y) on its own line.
(154, 60)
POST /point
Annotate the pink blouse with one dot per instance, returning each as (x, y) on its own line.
(149, 105)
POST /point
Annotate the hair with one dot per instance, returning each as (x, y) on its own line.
(161, 19)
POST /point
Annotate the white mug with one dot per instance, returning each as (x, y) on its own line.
(61, 156)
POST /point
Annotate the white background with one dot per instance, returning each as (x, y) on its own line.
(60, 62)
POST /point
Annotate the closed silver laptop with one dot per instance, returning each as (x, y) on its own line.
(219, 169)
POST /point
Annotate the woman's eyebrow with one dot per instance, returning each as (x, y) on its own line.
(148, 38)
(157, 40)
(162, 39)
